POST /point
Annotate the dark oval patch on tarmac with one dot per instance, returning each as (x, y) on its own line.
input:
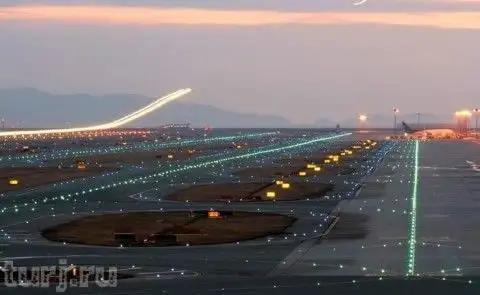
(176, 228)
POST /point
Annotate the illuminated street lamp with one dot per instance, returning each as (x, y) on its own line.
(362, 119)
(464, 113)
(463, 118)
(395, 111)
(476, 111)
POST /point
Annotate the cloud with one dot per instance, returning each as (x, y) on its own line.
(156, 16)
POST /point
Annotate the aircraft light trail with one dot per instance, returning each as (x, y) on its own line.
(361, 2)
(116, 123)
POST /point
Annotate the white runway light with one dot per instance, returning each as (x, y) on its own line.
(117, 123)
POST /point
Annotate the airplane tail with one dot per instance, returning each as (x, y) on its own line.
(407, 128)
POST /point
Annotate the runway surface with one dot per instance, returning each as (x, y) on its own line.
(383, 227)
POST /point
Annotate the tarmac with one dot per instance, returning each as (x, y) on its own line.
(358, 242)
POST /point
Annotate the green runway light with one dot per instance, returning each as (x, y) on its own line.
(209, 163)
(413, 218)
(65, 153)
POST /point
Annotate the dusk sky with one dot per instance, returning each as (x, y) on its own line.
(301, 59)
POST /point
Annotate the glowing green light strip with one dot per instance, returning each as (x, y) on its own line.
(176, 170)
(142, 146)
(412, 240)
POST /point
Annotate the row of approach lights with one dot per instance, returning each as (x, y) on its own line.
(81, 165)
(335, 158)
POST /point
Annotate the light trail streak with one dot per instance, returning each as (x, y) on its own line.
(136, 180)
(412, 237)
(116, 123)
(361, 2)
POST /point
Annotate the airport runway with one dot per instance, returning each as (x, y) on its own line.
(448, 207)
(312, 255)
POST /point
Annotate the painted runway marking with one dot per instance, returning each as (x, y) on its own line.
(392, 238)
(336, 219)
(45, 257)
(290, 260)
(436, 216)
(444, 168)
(436, 239)
(29, 220)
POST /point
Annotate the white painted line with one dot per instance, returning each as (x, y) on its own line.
(436, 216)
(44, 257)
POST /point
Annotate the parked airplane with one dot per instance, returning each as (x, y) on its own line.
(428, 133)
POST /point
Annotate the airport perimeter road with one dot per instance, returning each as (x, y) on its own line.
(371, 235)
(448, 240)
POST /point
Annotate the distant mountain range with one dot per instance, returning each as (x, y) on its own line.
(30, 107)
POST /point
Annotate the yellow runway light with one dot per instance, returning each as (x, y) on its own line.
(13, 181)
(213, 214)
(271, 195)
(285, 185)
